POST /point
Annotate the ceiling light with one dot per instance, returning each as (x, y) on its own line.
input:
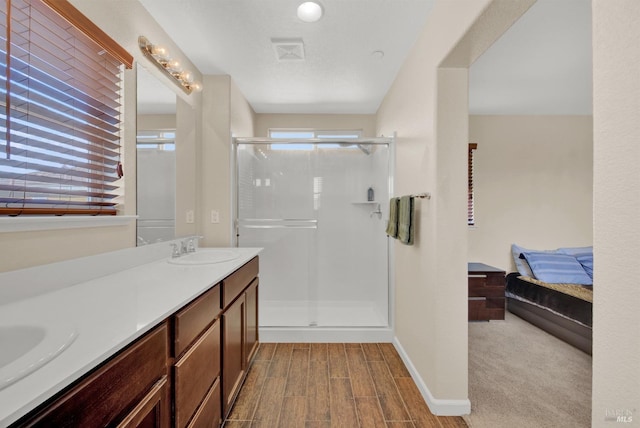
(309, 11)
(160, 58)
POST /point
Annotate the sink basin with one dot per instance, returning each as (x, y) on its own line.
(205, 257)
(27, 347)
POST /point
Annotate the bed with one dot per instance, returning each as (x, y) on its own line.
(560, 303)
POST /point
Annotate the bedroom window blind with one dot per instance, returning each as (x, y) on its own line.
(470, 200)
(60, 91)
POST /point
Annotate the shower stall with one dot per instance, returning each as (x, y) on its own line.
(318, 208)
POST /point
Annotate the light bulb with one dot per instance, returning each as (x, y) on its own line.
(158, 50)
(309, 11)
(174, 65)
(186, 76)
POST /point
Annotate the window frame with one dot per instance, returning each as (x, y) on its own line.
(321, 134)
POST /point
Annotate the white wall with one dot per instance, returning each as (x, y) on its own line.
(533, 184)
(226, 113)
(364, 122)
(188, 137)
(428, 108)
(616, 113)
(153, 122)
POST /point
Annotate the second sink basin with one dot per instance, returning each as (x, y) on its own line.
(205, 256)
(27, 347)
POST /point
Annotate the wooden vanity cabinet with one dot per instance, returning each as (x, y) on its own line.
(130, 390)
(186, 372)
(239, 329)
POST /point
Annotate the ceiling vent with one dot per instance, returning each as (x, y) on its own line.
(288, 49)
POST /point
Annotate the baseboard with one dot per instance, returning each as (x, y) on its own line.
(325, 335)
(437, 406)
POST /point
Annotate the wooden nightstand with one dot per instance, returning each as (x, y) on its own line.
(486, 292)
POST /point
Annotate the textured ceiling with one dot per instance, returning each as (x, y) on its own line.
(339, 73)
(541, 65)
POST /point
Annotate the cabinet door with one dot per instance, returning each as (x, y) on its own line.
(251, 325)
(153, 411)
(232, 352)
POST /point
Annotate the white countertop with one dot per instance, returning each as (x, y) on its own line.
(108, 312)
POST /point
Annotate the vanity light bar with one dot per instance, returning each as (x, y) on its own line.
(159, 56)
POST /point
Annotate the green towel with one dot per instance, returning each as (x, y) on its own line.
(405, 220)
(392, 226)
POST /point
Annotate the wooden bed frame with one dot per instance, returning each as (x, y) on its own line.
(563, 328)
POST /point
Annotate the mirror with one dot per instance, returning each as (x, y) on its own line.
(156, 159)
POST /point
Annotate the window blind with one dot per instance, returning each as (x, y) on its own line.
(471, 220)
(60, 90)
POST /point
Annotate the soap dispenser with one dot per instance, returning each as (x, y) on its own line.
(370, 197)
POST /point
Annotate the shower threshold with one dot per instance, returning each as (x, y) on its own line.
(321, 314)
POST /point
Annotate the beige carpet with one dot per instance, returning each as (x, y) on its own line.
(520, 376)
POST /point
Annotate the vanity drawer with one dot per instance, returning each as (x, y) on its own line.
(210, 413)
(195, 317)
(195, 373)
(235, 283)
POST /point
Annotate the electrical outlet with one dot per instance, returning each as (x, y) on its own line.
(190, 217)
(215, 216)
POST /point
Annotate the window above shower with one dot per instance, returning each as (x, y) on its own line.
(295, 134)
(289, 133)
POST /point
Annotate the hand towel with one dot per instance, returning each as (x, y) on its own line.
(405, 220)
(392, 225)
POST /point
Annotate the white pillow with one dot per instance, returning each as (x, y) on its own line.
(521, 264)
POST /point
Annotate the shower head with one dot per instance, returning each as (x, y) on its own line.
(366, 149)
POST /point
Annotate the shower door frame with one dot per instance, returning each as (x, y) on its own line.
(322, 334)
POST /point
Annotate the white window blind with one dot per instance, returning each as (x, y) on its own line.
(60, 90)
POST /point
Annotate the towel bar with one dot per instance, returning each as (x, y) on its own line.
(422, 196)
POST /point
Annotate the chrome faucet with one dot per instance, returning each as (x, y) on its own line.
(191, 246)
(176, 252)
(186, 246)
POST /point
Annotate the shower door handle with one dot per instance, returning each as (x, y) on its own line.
(277, 223)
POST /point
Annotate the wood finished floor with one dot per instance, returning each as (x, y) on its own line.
(320, 385)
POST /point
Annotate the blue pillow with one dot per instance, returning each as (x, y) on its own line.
(575, 251)
(557, 268)
(586, 260)
(521, 264)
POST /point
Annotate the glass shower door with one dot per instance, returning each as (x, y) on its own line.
(325, 253)
(275, 212)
